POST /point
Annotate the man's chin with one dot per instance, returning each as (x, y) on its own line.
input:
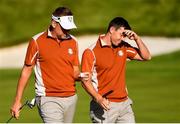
(65, 37)
(115, 45)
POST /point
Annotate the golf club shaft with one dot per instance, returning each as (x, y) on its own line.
(9, 119)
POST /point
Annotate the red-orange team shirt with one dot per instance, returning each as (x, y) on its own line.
(53, 63)
(107, 66)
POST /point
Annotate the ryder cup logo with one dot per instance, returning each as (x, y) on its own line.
(70, 51)
(70, 19)
(120, 53)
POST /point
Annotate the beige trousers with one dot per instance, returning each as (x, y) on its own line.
(57, 109)
(120, 112)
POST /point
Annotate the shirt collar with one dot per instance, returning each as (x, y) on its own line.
(49, 33)
(103, 43)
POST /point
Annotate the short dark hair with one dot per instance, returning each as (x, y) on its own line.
(62, 11)
(118, 22)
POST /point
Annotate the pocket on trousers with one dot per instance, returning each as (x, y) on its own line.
(38, 101)
(130, 101)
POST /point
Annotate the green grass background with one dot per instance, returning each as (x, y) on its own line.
(21, 19)
(153, 86)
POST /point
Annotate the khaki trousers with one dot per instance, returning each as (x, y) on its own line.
(120, 112)
(56, 109)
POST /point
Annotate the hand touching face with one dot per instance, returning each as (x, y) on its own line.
(130, 34)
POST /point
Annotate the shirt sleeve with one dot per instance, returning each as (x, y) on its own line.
(88, 61)
(131, 51)
(76, 54)
(32, 53)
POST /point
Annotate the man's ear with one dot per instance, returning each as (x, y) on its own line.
(112, 29)
(53, 23)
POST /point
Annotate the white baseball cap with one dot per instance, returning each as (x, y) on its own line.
(66, 22)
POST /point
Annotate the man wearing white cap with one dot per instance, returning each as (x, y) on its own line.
(54, 56)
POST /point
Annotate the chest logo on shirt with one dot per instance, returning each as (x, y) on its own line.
(120, 53)
(70, 51)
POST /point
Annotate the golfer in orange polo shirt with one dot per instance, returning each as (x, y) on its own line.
(54, 56)
(105, 61)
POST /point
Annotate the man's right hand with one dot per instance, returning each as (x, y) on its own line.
(103, 102)
(85, 76)
(15, 109)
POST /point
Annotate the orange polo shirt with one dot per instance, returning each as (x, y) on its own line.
(54, 61)
(107, 66)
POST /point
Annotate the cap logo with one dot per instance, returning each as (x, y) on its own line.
(70, 18)
(120, 53)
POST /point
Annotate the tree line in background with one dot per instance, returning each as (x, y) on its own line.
(20, 20)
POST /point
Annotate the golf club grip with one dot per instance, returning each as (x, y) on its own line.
(19, 109)
(106, 94)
